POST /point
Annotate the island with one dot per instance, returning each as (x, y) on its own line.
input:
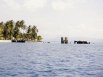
(18, 32)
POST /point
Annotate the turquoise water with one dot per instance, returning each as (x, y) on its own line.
(50, 60)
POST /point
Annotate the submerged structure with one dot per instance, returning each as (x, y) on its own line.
(19, 41)
(64, 40)
(81, 42)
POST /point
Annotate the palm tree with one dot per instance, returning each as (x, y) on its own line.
(10, 29)
(34, 33)
(29, 31)
(5, 32)
(1, 30)
(17, 24)
(39, 38)
(10, 25)
(21, 26)
(16, 32)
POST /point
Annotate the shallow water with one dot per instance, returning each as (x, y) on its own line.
(50, 60)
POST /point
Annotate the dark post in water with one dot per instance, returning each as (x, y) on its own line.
(66, 40)
(62, 40)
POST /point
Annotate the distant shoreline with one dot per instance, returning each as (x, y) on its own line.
(10, 41)
(5, 41)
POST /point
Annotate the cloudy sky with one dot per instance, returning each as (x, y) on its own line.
(81, 19)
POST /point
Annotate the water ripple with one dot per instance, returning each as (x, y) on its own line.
(50, 60)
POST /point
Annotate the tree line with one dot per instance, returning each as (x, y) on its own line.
(10, 30)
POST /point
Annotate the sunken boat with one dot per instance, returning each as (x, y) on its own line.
(19, 41)
(81, 42)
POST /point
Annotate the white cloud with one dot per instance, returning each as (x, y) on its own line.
(26, 4)
(59, 5)
(64, 4)
(33, 4)
(12, 4)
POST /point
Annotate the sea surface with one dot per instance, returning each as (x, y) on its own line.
(51, 60)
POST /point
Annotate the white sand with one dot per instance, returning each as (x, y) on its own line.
(5, 40)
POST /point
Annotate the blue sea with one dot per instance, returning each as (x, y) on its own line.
(51, 60)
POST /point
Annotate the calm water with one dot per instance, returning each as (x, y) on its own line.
(50, 60)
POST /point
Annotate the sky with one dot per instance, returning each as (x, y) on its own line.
(75, 19)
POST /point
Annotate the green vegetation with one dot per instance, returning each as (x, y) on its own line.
(18, 30)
